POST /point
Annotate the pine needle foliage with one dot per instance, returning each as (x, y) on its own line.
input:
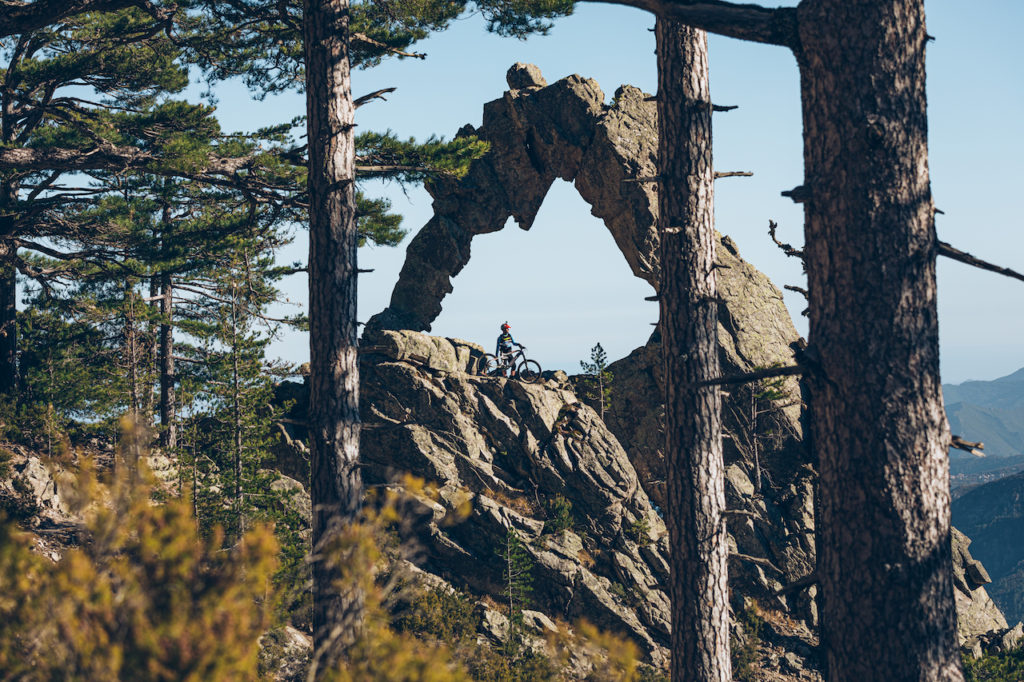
(597, 379)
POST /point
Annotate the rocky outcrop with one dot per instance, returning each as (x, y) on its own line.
(976, 613)
(508, 448)
(537, 132)
(500, 451)
(505, 450)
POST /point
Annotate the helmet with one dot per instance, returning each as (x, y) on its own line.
(505, 327)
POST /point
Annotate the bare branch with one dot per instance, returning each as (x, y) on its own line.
(788, 249)
(799, 194)
(734, 174)
(749, 377)
(746, 22)
(967, 446)
(367, 40)
(799, 290)
(798, 584)
(964, 257)
(377, 94)
(724, 107)
(392, 169)
(759, 561)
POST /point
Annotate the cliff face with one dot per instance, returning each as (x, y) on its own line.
(508, 449)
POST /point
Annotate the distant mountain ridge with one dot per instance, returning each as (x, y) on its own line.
(992, 515)
(991, 412)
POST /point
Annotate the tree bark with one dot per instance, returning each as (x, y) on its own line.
(689, 327)
(336, 484)
(8, 321)
(876, 412)
(168, 429)
(168, 402)
(8, 291)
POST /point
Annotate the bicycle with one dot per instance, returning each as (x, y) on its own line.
(521, 367)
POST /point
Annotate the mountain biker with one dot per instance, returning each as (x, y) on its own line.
(503, 350)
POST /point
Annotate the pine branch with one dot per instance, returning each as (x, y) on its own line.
(750, 377)
(367, 40)
(967, 446)
(956, 254)
(746, 22)
(27, 17)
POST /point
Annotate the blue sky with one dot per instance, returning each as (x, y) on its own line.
(563, 286)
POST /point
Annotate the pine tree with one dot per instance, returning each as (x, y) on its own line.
(517, 577)
(598, 376)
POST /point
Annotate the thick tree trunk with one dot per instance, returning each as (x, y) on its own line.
(689, 326)
(8, 321)
(336, 485)
(877, 419)
(168, 404)
(8, 293)
(165, 351)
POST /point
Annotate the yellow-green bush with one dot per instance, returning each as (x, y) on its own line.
(143, 598)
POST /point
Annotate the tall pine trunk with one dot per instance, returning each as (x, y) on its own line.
(877, 420)
(336, 486)
(689, 327)
(165, 351)
(168, 403)
(8, 293)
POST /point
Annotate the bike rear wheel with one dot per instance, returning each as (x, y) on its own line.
(486, 365)
(529, 371)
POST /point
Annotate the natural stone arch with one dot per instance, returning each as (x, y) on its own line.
(541, 132)
(538, 132)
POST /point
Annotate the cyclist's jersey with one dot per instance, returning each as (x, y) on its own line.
(505, 343)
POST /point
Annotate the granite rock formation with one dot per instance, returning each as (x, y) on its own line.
(537, 132)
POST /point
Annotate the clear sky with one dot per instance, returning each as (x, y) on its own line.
(563, 285)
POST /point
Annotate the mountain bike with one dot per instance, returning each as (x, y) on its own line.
(521, 368)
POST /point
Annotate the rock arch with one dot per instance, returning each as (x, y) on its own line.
(538, 132)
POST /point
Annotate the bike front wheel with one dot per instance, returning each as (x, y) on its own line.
(486, 365)
(529, 371)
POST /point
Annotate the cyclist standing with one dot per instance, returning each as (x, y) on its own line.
(504, 348)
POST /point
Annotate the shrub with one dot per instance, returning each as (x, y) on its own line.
(447, 615)
(559, 515)
(1006, 666)
(145, 598)
(639, 532)
(745, 650)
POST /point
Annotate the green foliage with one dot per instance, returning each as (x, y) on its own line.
(383, 154)
(447, 615)
(1005, 666)
(646, 673)
(517, 576)
(559, 515)
(745, 651)
(597, 379)
(639, 532)
(376, 224)
(487, 665)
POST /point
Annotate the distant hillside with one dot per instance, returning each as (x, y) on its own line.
(992, 515)
(991, 412)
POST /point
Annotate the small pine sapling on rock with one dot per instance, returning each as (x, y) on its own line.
(598, 379)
